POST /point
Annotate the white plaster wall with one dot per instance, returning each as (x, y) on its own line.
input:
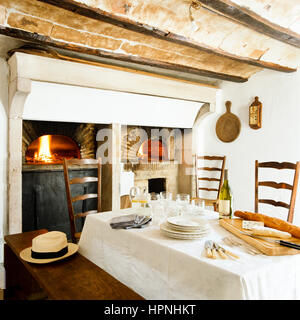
(277, 140)
(3, 157)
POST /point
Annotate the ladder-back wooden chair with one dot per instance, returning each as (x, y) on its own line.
(83, 163)
(271, 184)
(216, 190)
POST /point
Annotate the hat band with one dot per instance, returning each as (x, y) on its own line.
(49, 255)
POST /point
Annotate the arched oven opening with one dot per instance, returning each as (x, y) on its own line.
(51, 149)
(153, 150)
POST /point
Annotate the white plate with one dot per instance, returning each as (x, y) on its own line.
(188, 221)
(186, 229)
(166, 228)
(183, 236)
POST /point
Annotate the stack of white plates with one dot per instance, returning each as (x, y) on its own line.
(185, 227)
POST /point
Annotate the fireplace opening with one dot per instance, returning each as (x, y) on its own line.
(51, 149)
(157, 185)
(153, 150)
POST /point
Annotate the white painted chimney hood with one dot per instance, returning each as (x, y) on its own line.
(60, 90)
(56, 102)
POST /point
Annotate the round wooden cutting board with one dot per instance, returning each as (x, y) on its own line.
(228, 126)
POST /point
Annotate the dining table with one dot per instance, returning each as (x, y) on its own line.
(158, 267)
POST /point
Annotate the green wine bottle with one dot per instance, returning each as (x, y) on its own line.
(225, 199)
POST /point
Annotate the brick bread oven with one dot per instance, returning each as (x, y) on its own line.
(155, 156)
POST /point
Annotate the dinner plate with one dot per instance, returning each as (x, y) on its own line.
(176, 233)
(189, 222)
(181, 235)
(186, 229)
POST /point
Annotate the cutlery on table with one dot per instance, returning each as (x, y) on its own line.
(220, 251)
(211, 251)
(212, 248)
(280, 242)
(140, 223)
(208, 248)
(234, 242)
(137, 222)
(228, 253)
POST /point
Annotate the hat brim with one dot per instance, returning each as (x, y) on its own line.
(26, 254)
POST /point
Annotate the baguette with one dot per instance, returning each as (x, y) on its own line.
(270, 222)
(270, 232)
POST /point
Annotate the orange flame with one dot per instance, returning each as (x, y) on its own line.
(44, 153)
(140, 153)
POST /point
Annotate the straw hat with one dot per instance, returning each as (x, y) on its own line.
(49, 247)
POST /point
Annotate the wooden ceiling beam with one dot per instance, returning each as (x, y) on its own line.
(98, 14)
(252, 20)
(48, 41)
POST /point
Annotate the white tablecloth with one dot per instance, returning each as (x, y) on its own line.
(157, 267)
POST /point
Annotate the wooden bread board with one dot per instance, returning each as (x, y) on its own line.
(271, 249)
(228, 126)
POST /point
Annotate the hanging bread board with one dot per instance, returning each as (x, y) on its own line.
(228, 126)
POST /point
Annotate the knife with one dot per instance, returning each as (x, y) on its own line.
(281, 242)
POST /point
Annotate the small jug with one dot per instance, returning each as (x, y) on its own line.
(138, 197)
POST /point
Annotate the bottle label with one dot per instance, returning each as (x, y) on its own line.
(224, 207)
(253, 115)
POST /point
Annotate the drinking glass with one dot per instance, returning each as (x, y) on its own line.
(182, 201)
(172, 209)
(198, 206)
(157, 208)
(165, 195)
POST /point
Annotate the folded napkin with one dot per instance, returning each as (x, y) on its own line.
(130, 221)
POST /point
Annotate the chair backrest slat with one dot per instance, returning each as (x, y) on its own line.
(85, 197)
(83, 180)
(210, 169)
(277, 165)
(275, 185)
(209, 189)
(210, 158)
(84, 214)
(274, 203)
(208, 179)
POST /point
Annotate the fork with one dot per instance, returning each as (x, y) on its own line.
(233, 242)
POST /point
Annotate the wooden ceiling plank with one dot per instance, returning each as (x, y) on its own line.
(46, 40)
(252, 20)
(98, 14)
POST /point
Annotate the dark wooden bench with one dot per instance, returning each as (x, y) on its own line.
(73, 278)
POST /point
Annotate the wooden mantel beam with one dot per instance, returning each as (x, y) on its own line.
(252, 20)
(121, 21)
(48, 41)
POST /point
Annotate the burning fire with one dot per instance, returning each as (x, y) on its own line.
(152, 150)
(51, 149)
(44, 154)
(140, 152)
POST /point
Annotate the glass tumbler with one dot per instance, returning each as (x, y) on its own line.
(182, 201)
